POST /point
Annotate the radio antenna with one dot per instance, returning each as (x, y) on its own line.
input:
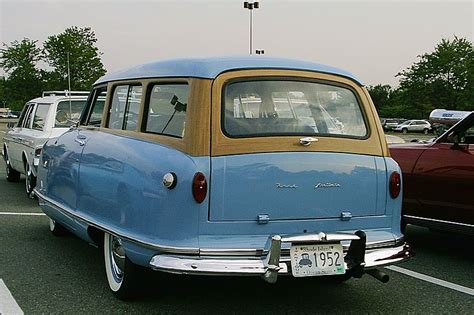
(69, 84)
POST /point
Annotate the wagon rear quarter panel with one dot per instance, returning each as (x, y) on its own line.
(121, 189)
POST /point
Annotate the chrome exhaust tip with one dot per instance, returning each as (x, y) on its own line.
(379, 275)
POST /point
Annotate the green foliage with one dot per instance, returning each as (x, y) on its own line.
(84, 59)
(441, 79)
(3, 101)
(380, 95)
(25, 81)
(19, 60)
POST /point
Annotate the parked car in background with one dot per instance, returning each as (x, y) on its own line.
(393, 139)
(267, 181)
(390, 123)
(8, 115)
(414, 126)
(438, 179)
(42, 118)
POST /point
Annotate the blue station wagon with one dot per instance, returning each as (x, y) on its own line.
(228, 166)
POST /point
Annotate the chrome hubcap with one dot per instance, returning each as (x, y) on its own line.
(117, 258)
(52, 224)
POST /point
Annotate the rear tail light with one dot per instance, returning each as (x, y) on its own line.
(38, 152)
(395, 185)
(199, 187)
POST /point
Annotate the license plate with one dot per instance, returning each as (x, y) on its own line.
(317, 260)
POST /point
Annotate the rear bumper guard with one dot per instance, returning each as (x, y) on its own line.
(357, 258)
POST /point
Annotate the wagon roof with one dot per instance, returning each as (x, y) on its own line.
(210, 68)
(52, 99)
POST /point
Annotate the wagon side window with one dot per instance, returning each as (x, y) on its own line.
(68, 112)
(22, 116)
(166, 109)
(95, 111)
(123, 112)
(40, 116)
(29, 115)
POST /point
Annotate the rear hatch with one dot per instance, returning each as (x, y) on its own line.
(294, 186)
(293, 146)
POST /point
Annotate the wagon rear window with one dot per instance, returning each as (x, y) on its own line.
(284, 107)
(167, 109)
(68, 112)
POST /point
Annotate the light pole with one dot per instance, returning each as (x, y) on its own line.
(251, 6)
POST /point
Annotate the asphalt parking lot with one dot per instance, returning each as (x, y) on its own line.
(41, 273)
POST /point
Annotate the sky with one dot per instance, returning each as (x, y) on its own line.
(372, 39)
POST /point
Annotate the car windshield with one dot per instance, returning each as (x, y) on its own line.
(285, 107)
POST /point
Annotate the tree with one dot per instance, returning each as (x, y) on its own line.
(441, 79)
(84, 59)
(19, 61)
(3, 101)
(380, 95)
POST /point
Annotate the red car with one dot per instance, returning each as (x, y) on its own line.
(438, 179)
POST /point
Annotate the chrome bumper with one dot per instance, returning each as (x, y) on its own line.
(357, 258)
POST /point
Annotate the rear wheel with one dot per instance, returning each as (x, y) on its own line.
(403, 226)
(405, 130)
(30, 182)
(121, 272)
(425, 131)
(12, 175)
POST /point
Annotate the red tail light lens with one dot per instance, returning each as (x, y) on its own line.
(38, 151)
(199, 187)
(395, 185)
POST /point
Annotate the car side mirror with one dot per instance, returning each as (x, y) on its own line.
(74, 124)
(455, 139)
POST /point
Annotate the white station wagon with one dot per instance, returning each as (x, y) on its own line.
(42, 118)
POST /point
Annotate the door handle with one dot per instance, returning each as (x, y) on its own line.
(307, 141)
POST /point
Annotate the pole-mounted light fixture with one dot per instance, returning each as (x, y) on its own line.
(250, 6)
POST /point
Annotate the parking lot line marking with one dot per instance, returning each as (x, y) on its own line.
(433, 280)
(8, 305)
(23, 213)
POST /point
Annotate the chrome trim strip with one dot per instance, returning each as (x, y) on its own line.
(438, 221)
(285, 251)
(320, 237)
(159, 247)
(231, 252)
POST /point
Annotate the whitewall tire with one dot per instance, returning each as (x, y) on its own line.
(30, 182)
(121, 273)
(11, 174)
